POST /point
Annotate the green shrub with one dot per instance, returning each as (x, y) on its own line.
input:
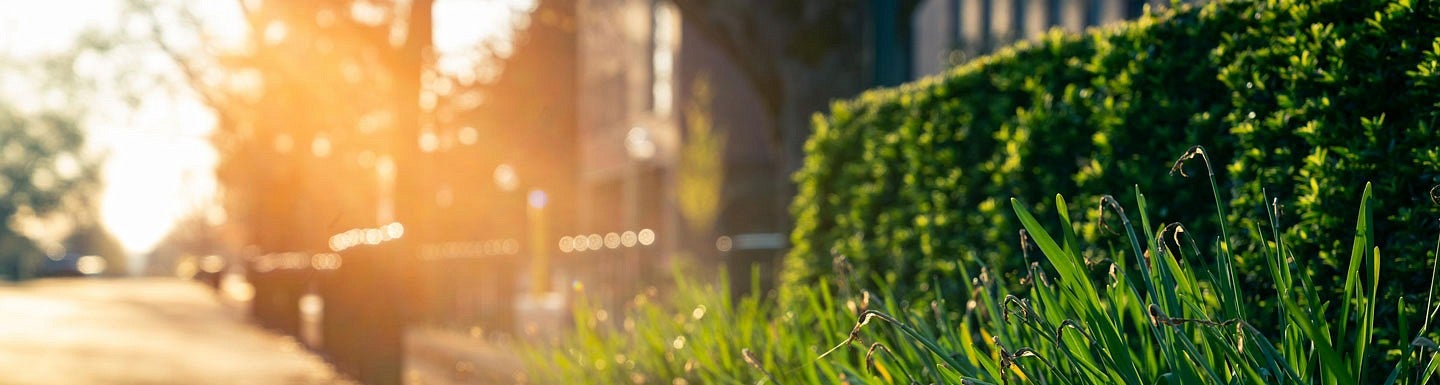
(1308, 99)
(1325, 97)
(1179, 320)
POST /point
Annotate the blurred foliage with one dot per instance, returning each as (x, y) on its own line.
(1306, 99)
(312, 101)
(42, 173)
(336, 114)
(49, 180)
(702, 170)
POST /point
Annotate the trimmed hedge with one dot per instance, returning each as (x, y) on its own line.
(1304, 100)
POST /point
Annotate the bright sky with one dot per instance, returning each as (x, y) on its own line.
(160, 163)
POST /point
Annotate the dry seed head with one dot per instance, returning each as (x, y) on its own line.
(1114, 274)
(754, 362)
(1160, 236)
(1177, 229)
(1021, 308)
(1240, 341)
(870, 355)
(1060, 330)
(1194, 151)
(1157, 316)
(1114, 204)
(1025, 244)
(1108, 200)
(864, 300)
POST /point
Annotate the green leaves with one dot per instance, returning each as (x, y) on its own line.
(1298, 104)
(1149, 320)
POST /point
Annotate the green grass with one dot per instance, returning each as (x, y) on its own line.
(695, 334)
(1161, 312)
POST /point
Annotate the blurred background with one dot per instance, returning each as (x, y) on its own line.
(462, 166)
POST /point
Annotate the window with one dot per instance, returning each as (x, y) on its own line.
(664, 42)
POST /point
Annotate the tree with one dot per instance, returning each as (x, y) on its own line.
(701, 172)
(48, 181)
(359, 80)
(43, 174)
(317, 110)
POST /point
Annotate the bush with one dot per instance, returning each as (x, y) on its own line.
(1308, 99)
(1177, 320)
(1180, 319)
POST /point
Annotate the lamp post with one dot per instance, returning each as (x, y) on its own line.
(640, 149)
(540, 255)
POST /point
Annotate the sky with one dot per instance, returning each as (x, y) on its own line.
(160, 164)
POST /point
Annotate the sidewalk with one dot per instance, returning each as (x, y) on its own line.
(442, 357)
(434, 356)
(141, 331)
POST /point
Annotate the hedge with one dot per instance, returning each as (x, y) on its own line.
(1301, 103)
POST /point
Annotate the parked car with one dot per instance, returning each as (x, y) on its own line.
(71, 265)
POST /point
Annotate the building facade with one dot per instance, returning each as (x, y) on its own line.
(627, 134)
(949, 32)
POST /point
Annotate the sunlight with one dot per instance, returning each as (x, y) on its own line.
(31, 28)
(154, 176)
(460, 24)
(159, 161)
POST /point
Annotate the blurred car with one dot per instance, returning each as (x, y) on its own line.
(71, 265)
(211, 269)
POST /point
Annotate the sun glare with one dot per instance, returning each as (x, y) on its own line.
(159, 160)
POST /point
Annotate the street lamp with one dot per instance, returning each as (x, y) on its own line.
(640, 148)
(540, 256)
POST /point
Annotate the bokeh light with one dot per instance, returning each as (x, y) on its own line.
(646, 237)
(90, 265)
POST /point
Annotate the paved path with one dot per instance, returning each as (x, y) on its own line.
(438, 357)
(140, 331)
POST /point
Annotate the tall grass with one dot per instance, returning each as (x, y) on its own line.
(696, 334)
(1161, 311)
